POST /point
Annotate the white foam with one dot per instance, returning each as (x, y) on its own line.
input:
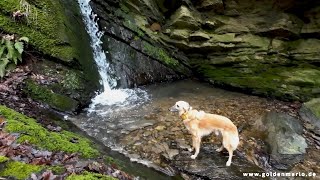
(112, 100)
(109, 96)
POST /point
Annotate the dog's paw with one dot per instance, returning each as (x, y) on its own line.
(228, 163)
(219, 149)
(190, 149)
(193, 157)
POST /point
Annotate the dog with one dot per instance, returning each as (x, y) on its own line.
(202, 124)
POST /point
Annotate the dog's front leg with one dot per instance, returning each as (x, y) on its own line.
(194, 141)
(197, 147)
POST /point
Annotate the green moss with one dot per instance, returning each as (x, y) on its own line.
(226, 38)
(314, 106)
(256, 41)
(303, 77)
(159, 54)
(45, 28)
(90, 176)
(129, 24)
(260, 79)
(3, 159)
(57, 101)
(37, 135)
(114, 162)
(71, 81)
(57, 169)
(19, 170)
(124, 8)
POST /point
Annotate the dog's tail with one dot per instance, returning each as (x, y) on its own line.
(231, 138)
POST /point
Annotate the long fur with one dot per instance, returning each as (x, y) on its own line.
(202, 124)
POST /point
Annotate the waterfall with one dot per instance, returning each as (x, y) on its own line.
(109, 96)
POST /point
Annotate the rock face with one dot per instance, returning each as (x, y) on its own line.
(284, 135)
(136, 58)
(64, 73)
(310, 113)
(270, 50)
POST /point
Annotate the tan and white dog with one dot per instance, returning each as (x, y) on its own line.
(201, 124)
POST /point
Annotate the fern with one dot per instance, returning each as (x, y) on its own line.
(11, 50)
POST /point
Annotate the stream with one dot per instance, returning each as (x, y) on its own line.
(145, 131)
(138, 128)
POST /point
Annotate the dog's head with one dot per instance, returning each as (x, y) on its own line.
(180, 106)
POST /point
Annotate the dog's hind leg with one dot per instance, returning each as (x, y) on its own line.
(230, 150)
(227, 143)
(198, 142)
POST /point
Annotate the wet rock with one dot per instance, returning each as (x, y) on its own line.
(211, 165)
(170, 153)
(182, 144)
(310, 112)
(284, 135)
(160, 128)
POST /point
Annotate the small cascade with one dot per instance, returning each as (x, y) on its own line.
(109, 96)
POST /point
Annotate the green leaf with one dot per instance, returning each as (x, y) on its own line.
(25, 39)
(19, 46)
(10, 49)
(11, 67)
(16, 56)
(2, 40)
(2, 48)
(3, 65)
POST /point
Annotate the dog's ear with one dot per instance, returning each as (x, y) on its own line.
(185, 110)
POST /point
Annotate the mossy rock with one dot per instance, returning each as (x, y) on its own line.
(45, 27)
(314, 106)
(263, 79)
(46, 95)
(37, 135)
(19, 170)
(3, 159)
(90, 176)
(160, 54)
(303, 77)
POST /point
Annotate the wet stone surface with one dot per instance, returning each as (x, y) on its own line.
(160, 139)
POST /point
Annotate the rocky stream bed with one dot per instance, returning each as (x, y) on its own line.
(273, 136)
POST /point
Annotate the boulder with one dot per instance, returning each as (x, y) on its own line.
(284, 136)
(310, 112)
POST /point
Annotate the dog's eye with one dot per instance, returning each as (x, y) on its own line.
(177, 105)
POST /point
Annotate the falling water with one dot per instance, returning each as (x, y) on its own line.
(110, 95)
(113, 111)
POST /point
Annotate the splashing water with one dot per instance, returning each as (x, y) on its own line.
(109, 96)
